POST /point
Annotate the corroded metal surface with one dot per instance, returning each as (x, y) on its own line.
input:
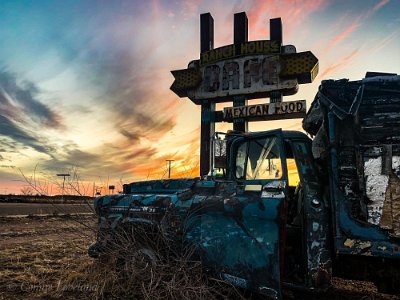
(250, 227)
(391, 210)
(236, 233)
(363, 121)
(239, 226)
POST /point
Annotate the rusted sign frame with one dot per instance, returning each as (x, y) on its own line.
(207, 127)
(240, 35)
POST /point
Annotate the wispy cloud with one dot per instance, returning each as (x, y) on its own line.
(342, 62)
(8, 145)
(11, 130)
(355, 24)
(99, 94)
(120, 74)
(144, 153)
(21, 100)
(344, 34)
(379, 5)
(133, 137)
(23, 117)
(383, 43)
(291, 12)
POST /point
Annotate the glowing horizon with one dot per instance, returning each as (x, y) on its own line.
(84, 86)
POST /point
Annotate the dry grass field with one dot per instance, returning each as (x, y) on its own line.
(40, 256)
(46, 258)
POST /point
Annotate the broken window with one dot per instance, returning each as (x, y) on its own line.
(259, 159)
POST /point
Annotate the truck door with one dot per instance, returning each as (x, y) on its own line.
(242, 234)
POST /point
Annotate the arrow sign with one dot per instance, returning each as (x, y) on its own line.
(303, 66)
(186, 79)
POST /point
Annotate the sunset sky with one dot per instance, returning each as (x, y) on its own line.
(84, 85)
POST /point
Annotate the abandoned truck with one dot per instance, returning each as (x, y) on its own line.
(279, 209)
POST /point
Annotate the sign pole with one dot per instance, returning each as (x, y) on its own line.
(275, 34)
(240, 72)
(207, 106)
(240, 35)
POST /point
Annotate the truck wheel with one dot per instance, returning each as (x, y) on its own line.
(140, 259)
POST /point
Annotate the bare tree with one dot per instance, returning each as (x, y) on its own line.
(26, 191)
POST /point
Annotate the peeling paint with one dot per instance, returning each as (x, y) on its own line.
(349, 243)
(379, 191)
(268, 194)
(213, 216)
(364, 245)
(275, 184)
(396, 165)
(358, 246)
(376, 185)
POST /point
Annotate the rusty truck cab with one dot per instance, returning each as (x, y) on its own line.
(274, 173)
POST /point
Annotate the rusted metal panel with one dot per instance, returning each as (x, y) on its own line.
(254, 69)
(364, 139)
(390, 219)
(237, 233)
(255, 76)
(241, 48)
(316, 220)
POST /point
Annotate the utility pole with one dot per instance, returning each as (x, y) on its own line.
(169, 166)
(63, 175)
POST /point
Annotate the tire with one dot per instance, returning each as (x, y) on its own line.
(140, 259)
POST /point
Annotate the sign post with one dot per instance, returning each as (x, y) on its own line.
(240, 72)
(240, 35)
(275, 34)
(207, 107)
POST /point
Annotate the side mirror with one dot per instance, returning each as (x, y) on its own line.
(219, 153)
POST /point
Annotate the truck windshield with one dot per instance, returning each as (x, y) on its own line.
(258, 159)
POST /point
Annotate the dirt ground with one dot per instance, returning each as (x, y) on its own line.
(46, 258)
(25, 209)
(37, 254)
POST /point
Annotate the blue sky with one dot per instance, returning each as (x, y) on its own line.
(84, 85)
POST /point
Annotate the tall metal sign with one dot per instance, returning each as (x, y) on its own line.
(240, 72)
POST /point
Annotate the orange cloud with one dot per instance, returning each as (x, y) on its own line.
(186, 163)
(345, 33)
(355, 24)
(342, 62)
(292, 13)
